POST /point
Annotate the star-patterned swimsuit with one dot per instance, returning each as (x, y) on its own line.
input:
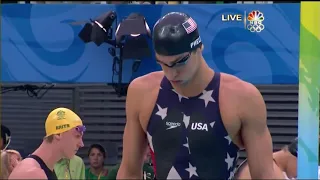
(187, 137)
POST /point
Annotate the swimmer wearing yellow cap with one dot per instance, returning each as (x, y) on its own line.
(64, 131)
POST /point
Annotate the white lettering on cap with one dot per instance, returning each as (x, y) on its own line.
(195, 42)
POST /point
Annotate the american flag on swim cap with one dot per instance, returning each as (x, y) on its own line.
(190, 25)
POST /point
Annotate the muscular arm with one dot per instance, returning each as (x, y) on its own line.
(255, 133)
(134, 138)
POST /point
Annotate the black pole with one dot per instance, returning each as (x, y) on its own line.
(120, 71)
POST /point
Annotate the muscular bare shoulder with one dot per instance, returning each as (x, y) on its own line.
(28, 169)
(141, 96)
(240, 87)
(242, 90)
(147, 82)
(141, 87)
(247, 97)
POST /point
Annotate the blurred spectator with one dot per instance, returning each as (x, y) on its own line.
(141, 2)
(173, 2)
(70, 168)
(148, 172)
(147, 169)
(97, 156)
(5, 137)
(161, 2)
(9, 160)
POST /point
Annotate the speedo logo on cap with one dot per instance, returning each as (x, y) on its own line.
(195, 42)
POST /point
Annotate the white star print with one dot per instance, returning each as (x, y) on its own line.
(187, 145)
(173, 174)
(207, 97)
(229, 161)
(192, 171)
(212, 124)
(228, 138)
(150, 141)
(186, 120)
(162, 112)
(179, 95)
(234, 170)
(231, 175)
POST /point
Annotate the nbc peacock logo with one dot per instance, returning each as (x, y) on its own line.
(255, 21)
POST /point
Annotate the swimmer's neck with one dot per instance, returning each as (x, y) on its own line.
(198, 83)
(48, 153)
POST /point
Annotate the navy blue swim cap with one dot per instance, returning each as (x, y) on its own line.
(175, 33)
